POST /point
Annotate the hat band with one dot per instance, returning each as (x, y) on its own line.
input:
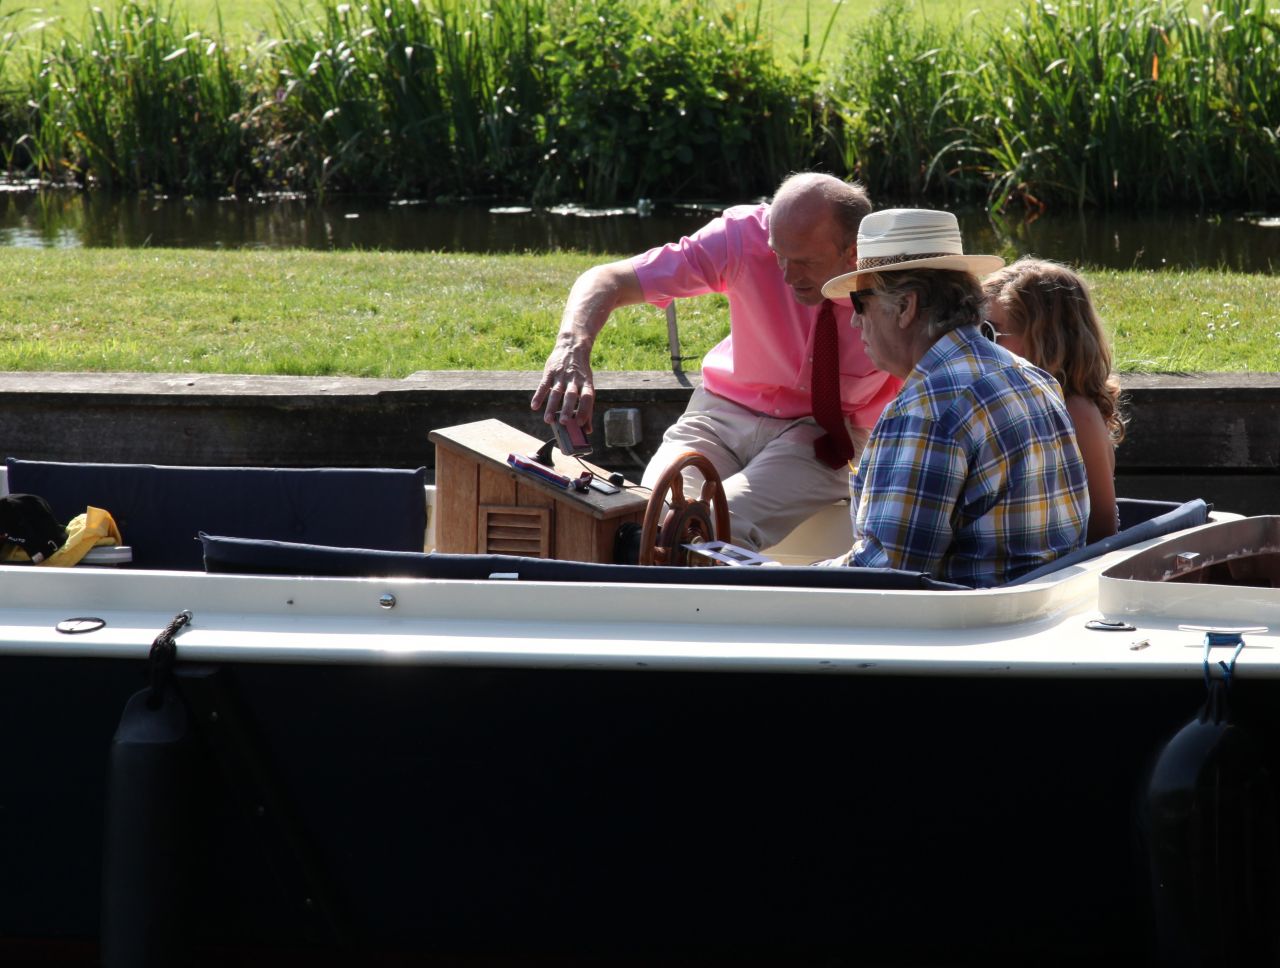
(875, 262)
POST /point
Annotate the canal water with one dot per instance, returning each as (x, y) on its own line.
(1242, 242)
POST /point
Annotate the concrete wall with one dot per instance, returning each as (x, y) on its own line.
(1215, 436)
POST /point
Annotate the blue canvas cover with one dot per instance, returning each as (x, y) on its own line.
(161, 509)
(227, 554)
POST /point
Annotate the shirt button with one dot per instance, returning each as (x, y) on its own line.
(777, 413)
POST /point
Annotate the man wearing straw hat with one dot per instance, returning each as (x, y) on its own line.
(972, 473)
(789, 397)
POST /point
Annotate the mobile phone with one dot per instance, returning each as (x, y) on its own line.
(571, 438)
(538, 470)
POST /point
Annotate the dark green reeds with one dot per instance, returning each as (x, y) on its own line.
(594, 100)
(413, 97)
(1098, 103)
(12, 118)
(906, 100)
(1117, 103)
(1124, 105)
(141, 101)
(670, 99)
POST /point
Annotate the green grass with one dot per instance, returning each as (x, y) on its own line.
(243, 20)
(389, 314)
(304, 313)
(788, 20)
(1184, 321)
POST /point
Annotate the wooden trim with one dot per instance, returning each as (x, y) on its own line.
(456, 484)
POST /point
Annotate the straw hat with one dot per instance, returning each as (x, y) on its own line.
(909, 238)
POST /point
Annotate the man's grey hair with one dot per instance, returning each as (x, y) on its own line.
(848, 201)
(945, 299)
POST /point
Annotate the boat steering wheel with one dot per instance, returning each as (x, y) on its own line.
(671, 520)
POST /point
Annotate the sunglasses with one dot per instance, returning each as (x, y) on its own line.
(857, 298)
(988, 329)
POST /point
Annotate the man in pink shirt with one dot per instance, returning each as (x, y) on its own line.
(753, 416)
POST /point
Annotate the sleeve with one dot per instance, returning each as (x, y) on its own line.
(910, 484)
(698, 264)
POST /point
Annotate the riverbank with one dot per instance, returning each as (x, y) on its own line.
(1209, 435)
(389, 314)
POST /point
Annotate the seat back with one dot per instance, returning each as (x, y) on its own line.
(161, 509)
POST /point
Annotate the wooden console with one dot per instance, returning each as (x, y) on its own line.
(484, 506)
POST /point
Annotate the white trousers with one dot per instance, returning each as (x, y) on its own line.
(771, 477)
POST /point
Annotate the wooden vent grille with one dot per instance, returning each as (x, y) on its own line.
(506, 530)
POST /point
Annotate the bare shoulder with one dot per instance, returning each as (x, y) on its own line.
(1085, 414)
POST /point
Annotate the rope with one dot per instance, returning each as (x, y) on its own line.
(164, 652)
(1212, 639)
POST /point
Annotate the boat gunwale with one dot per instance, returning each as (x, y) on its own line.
(1033, 629)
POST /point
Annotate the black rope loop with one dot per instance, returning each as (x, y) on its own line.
(164, 652)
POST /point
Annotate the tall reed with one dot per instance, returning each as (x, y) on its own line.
(597, 100)
(1221, 77)
(1087, 102)
(1121, 103)
(142, 101)
(12, 121)
(672, 99)
(414, 97)
(906, 102)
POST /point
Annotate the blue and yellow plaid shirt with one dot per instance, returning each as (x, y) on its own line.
(972, 473)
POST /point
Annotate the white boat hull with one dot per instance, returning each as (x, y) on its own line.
(507, 770)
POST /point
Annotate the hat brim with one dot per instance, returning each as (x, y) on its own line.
(978, 265)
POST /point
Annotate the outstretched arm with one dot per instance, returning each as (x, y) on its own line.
(567, 389)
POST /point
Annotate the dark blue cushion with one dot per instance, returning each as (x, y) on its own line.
(161, 509)
(225, 554)
(1133, 511)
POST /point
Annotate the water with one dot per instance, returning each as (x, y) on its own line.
(1245, 243)
(52, 219)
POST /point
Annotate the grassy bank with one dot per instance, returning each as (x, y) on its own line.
(794, 27)
(1111, 103)
(389, 314)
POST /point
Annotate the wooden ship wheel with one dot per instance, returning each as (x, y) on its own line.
(671, 520)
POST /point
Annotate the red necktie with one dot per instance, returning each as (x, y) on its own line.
(834, 447)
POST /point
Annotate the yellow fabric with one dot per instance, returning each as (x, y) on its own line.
(84, 531)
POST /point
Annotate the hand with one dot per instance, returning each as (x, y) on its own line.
(567, 388)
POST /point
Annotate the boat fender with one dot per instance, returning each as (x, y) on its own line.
(150, 831)
(1209, 825)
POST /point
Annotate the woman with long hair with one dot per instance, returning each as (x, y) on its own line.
(1042, 311)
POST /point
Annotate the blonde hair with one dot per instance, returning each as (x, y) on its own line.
(1050, 306)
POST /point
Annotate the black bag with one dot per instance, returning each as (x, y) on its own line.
(27, 522)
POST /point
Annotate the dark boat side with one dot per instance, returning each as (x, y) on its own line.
(524, 814)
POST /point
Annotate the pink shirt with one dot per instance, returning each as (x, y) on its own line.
(765, 362)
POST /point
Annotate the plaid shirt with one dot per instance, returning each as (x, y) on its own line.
(972, 472)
